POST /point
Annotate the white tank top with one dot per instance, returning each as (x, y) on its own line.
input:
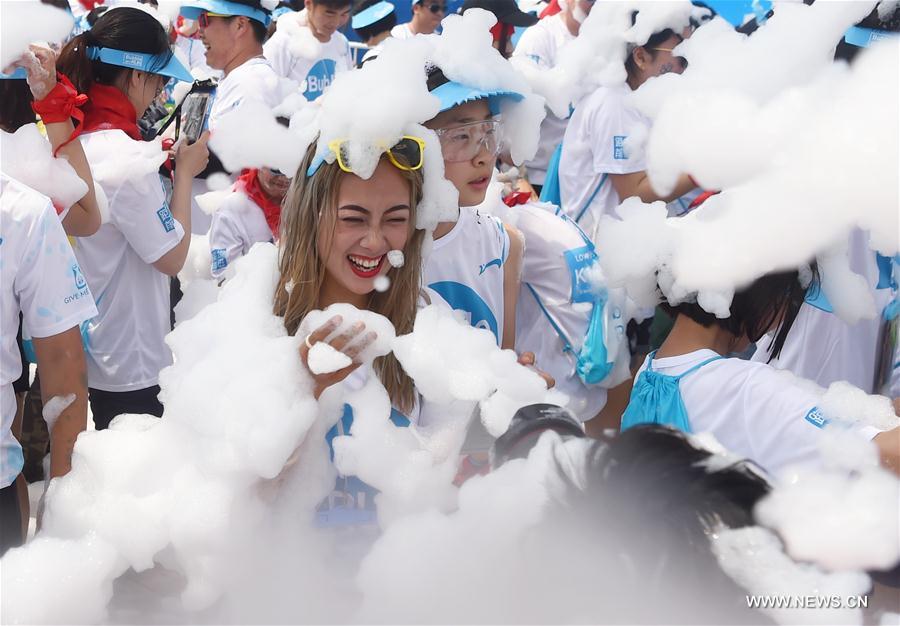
(466, 268)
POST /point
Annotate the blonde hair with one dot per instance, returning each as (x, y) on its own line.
(311, 204)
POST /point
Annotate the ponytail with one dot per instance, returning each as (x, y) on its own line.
(122, 28)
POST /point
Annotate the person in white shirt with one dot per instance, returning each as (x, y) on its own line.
(598, 167)
(40, 278)
(189, 42)
(372, 21)
(426, 17)
(476, 261)
(249, 215)
(307, 47)
(122, 64)
(540, 45)
(749, 407)
(554, 305)
(233, 32)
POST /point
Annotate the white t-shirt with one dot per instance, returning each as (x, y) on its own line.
(465, 268)
(540, 44)
(751, 409)
(402, 31)
(556, 255)
(40, 277)
(126, 347)
(594, 147)
(253, 80)
(313, 69)
(822, 347)
(236, 226)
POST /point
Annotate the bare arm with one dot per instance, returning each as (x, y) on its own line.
(512, 277)
(63, 371)
(190, 161)
(888, 444)
(638, 184)
(83, 218)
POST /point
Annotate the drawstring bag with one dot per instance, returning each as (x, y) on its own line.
(656, 399)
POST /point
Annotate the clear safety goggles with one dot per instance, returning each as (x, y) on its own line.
(464, 142)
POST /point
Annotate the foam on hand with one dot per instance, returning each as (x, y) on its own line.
(350, 315)
(26, 22)
(54, 408)
(324, 359)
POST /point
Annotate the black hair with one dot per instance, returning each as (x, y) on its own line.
(890, 23)
(654, 40)
(124, 28)
(771, 301)
(95, 14)
(646, 516)
(334, 4)
(15, 105)
(260, 30)
(384, 24)
(434, 77)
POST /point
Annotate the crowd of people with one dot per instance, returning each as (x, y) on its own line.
(89, 285)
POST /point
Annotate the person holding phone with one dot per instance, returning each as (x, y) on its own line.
(122, 64)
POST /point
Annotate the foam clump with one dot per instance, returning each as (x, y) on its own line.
(843, 516)
(350, 315)
(27, 22)
(323, 359)
(26, 156)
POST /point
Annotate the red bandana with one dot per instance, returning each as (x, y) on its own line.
(248, 183)
(108, 108)
(90, 5)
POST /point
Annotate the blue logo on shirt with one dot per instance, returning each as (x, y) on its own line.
(619, 147)
(464, 298)
(816, 418)
(165, 217)
(319, 78)
(80, 282)
(219, 260)
(580, 260)
(481, 268)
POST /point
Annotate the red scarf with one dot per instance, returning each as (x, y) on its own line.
(90, 5)
(109, 108)
(248, 184)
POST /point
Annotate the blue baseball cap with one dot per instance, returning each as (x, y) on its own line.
(371, 15)
(452, 94)
(18, 74)
(865, 37)
(193, 8)
(151, 63)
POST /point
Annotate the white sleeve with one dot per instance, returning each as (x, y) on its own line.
(52, 292)
(226, 241)
(610, 126)
(345, 62)
(146, 220)
(278, 54)
(533, 46)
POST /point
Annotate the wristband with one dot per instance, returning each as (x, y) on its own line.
(61, 104)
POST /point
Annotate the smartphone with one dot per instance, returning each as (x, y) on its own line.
(195, 115)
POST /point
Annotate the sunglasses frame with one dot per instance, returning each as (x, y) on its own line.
(203, 18)
(436, 8)
(335, 147)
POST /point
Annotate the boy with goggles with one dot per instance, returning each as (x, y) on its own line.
(552, 312)
(426, 17)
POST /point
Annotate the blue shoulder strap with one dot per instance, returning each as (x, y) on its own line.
(550, 192)
(590, 199)
(567, 345)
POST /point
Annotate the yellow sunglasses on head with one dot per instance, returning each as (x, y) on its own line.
(408, 154)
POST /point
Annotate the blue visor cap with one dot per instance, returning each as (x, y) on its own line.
(453, 94)
(371, 15)
(865, 37)
(151, 63)
(193, 8)
(19, 73)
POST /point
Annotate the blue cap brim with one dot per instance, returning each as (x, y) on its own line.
(453, 94)
(176, 69)
(371, 15)
(865, 37)
(193, 8)
(141, 61)
(18, 74)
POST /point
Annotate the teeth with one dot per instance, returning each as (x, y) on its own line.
(365, 263)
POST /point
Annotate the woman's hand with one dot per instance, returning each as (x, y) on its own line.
(351, 343)
(40, 64)
(527, 359)
(191, 159)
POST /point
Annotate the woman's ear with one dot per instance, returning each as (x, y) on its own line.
(641, 57)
